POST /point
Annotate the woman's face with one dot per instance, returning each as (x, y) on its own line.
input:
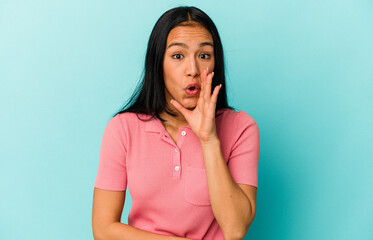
(189, 51)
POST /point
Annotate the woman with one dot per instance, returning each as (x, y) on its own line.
(190, 160)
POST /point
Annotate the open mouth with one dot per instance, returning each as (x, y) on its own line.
(192, 91)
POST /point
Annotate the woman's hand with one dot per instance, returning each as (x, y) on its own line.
(202, 118)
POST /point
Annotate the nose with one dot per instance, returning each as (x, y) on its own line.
(192, 68)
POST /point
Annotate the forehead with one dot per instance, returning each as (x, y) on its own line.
(189, 33)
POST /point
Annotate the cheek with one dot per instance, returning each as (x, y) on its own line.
(170, 81)
(204, 64)
(172, 74)
(169, 69)
(212, 65)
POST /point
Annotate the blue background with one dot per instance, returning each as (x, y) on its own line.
(302, 69)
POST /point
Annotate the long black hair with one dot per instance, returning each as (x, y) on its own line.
(149, 97)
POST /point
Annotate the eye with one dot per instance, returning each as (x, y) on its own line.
(177, 56)
(205, 56)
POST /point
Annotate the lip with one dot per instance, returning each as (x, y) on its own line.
(193, 85)
(192, 93)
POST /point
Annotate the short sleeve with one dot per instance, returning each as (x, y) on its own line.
(244, 156)
(112, 173)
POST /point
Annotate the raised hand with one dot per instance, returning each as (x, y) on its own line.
(202, 118)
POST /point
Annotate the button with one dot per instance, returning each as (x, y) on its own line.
(177, 168)
(176, 150)
(183, 133)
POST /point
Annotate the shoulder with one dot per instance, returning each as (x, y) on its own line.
(130, 119)
(125, 116)
(240, 118)
(132, 124)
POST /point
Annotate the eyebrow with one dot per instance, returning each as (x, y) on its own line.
(185, 46)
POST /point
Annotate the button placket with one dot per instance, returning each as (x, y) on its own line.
(165, 137)
(176, 171)
(176, 163)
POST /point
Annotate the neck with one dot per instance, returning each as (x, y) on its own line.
(174, 122)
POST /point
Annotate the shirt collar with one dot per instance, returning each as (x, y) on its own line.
(155, 125)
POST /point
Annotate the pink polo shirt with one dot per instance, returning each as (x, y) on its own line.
(167, 181)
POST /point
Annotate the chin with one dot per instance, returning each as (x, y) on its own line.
(190, 104)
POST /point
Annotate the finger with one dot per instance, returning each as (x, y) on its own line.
(203, 81)
(208, 86)
(207, 93)
(181, 109)
(202, 92)
(215, 94)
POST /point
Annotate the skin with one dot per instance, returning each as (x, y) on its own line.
(237, 211)
(185, 64)
(233, 204)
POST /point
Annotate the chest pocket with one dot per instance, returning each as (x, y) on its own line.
(196, 188)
